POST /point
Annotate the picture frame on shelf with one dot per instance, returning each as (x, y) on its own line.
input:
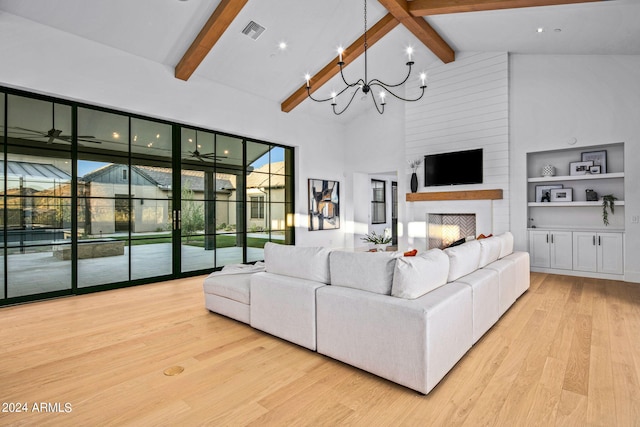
(580, 168)
(595, 169)
(599, 158)
(543, 192)
(562, 194)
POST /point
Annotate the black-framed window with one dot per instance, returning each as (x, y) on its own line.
(100, 195)
(257, 207)
(378, 202)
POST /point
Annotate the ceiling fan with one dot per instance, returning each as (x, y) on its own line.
(52, 135)
(203, 157)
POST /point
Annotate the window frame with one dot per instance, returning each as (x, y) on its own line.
(375, 204)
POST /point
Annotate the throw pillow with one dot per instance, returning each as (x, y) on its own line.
(507, 244)
(463, 259)
(490, 248)
(366, 271)
(310, 263)
(418, 275)
(411, 253)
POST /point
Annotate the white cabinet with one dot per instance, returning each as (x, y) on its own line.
(569, 236)
(551, 249)
(598, 252)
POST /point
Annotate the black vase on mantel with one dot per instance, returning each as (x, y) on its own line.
(414, 182)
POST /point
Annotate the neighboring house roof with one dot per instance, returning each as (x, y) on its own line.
(34, 170)
(270, 175)
(162, 177)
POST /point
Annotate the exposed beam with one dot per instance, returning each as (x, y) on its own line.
(420, 28)
(217, 24)
(437, 7)
(375, 33)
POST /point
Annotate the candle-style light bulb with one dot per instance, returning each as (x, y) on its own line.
(382, 97)
(307, 78)
(340, 51)
(423, 78)
(409, 52)
(333, 95)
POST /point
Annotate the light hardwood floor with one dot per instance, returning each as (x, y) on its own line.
(566, 353)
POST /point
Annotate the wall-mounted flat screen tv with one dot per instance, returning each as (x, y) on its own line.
(460, 167)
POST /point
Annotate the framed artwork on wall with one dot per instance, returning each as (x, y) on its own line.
(599, 158)
(324, 204)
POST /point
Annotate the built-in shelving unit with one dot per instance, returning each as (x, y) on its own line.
(571, 204)
(557, 229)
(576, 177)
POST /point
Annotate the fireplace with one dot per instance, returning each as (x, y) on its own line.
(445, 228)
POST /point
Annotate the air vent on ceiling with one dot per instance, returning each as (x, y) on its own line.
(253, 30)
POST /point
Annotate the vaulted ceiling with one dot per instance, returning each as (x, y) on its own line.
(200, 39)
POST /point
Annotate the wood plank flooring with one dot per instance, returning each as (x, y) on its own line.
(566, 353)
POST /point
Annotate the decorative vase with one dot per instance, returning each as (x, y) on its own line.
(380, 247)
(548, 170)
(414, 182)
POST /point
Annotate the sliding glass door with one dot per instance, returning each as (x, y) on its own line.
(96, 199)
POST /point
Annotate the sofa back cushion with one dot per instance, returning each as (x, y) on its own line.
(310, 263)
(463, 259)
(417, 275)
(506, 239)
(490, 249)
(368, 271)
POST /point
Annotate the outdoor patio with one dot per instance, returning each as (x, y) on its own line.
(34, 273)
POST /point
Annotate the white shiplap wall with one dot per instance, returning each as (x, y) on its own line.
(466, 106)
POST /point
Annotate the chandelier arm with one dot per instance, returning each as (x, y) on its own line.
(376, 104)
(345, 80)
(331, 97)
(397, 84)
(314, 99)
(346, 106)
(397, 96)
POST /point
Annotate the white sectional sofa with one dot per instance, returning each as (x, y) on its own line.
(406, 319)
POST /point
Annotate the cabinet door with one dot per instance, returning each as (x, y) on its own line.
(610, 254)
(561, 250)
(539, 248)
(584, 251)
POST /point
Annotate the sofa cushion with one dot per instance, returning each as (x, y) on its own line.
(368, 271)
(463, 259)
(490, 248)
(417, 275)
(309, 263)
(507, 244)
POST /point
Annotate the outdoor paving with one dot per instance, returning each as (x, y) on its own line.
(35, 273)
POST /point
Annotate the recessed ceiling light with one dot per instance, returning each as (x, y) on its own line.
(282, 45)
(557, 30)
(540, 29)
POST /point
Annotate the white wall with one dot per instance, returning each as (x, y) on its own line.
(41, 59)
(374, 146)
(466, 106)
(592, 99)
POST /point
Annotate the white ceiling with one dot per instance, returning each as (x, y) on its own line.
(162, 30)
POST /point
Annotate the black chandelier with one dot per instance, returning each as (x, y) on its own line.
(365, 85)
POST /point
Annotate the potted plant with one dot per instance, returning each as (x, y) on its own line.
(608, 203)
(380, 241)
(414, 164)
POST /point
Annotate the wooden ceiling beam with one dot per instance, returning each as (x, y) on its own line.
(437, 7)
(400, 9)
(217, 24)
(375, 33)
